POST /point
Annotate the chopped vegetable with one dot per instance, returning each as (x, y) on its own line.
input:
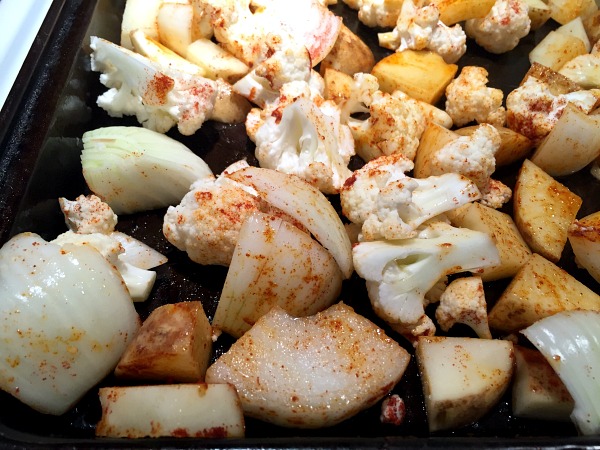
(135, 169)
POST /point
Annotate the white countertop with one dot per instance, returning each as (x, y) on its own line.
(20, 21)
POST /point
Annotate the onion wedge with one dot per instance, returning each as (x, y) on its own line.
(275, 263)
(66, 318)
(570, 342)
(304, 203)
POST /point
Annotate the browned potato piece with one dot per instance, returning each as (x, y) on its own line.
(349, 54)
(421, 74)
(538, 392)
(543, 210)
(592, 27)
(501, 227)
(564, 11)
(338, 85)
(514, 145)
(174, 344)
(463, 378)
(540, 289)
(558, 83)
(432, 140)
(454, 11)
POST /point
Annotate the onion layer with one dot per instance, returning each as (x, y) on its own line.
(66, 319)
(304, 203)
(570, 342)
(275, 263)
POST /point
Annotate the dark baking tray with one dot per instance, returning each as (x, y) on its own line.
(53, 103)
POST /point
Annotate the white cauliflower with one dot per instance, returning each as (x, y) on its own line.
(391, 205)
(473, 157)
(288, 61)
(207, 221)
(394, 125)
(302, 135)
(377, 13)
(501, 30)
(92, 222)
(160, 97)
(463, 302)
(88, 214)
(399, 273)
(242, 26)
(468, 99)
(360, 95)
(583, 70)
(382, 123)
(420, 28)
(533, 109)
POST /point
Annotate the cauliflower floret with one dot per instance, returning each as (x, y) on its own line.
(473, 157)
(160, 97)
(391, 205)
(469, 99)
(303, 135)
(399, 273)
(463, 302)
(583, 70)
(363, 87)
(376, 13)
(420, 28)
(207, 221)
(289, 62)
(533, 110)
(502, 29)
(394, 126)
(242, 26)
(88, 214)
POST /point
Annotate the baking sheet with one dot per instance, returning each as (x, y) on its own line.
(40, 162)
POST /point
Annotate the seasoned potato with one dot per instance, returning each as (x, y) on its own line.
(174, 344)
(539, 13)
(463, 378)
(538, 290)
(543, 210)
(177, 410)
(454, 11)
(349, 54)
(537, 391)
(421, 74)
(501, 227)
(575, 133)
(556, 49)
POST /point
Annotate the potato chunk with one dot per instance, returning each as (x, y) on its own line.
(543, 210)
(174, 344)
(539, 289)
(538, 392)
(503, 231)
(176, 410)
(421, 74)
(463, 378)
(311, 372)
